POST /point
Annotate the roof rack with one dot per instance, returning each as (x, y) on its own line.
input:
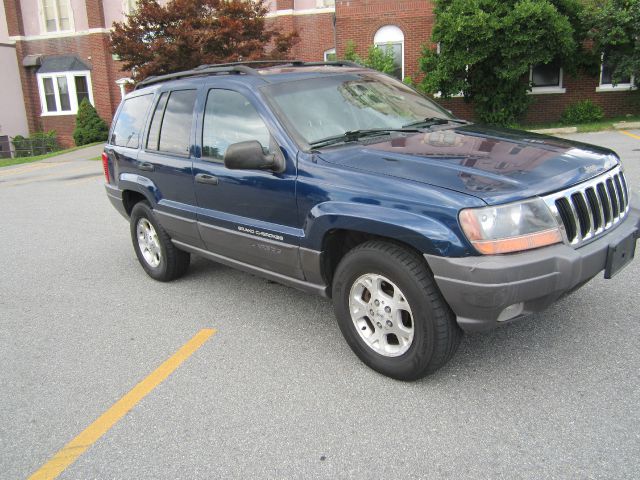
(239, 68)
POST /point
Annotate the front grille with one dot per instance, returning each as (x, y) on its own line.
(589, 209)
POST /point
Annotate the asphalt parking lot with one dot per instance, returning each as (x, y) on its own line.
(276, 392)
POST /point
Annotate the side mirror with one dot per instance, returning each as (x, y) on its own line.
(249, 156)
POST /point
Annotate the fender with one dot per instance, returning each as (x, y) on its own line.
(427, 235)
(141, 184)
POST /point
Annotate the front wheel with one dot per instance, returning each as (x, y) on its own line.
(156, 253)
(391, 313)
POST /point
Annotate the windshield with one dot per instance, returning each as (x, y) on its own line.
(320, 108)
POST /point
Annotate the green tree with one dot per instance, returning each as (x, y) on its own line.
(89, 126)
(486, 48)
(378, 57)
(161, 37)
(614, 28)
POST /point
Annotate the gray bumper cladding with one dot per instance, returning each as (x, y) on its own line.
(484, 291)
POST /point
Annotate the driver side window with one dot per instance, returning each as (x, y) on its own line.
(230, 118)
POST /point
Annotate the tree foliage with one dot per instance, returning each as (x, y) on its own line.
(486, 48)
(89, 126)
(614, 28)
(183, 34)
(378, 57)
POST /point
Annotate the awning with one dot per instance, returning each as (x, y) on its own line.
(62, 63)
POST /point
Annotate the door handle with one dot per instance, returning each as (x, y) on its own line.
(206, 179)
(147, 167)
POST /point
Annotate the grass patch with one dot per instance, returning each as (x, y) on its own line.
(606, 124)
(5, 162)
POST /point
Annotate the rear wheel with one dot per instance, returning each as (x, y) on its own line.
(391, 313)
(156, 253)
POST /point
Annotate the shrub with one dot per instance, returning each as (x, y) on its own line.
(378, 57)
(38, 143)
(584, 111)
(89, 126)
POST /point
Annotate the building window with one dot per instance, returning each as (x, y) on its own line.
(56, 15)
(61, 93)
(330, 55)
(325, 3)
(546, 78)
(606, 79)
(391, 37)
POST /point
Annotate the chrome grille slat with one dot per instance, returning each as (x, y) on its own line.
(588, 210)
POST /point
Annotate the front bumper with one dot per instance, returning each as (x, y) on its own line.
(486, 291)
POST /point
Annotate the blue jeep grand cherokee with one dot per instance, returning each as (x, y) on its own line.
(344, 182)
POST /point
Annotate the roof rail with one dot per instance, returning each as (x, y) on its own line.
(253, 62)
(203, 70)
(238, 68)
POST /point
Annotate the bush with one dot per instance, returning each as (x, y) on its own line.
(582, 112)
(378, 58)
(38, 143)
(90, 127)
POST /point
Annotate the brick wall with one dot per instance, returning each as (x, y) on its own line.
(547, 108)
(315, 32)
(93, 50)
(360, 20)
(13, 12)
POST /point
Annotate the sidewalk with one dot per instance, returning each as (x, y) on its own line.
(80, 154)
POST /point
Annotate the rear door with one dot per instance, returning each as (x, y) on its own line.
(166, 159)
(247, 215)
(126, 135)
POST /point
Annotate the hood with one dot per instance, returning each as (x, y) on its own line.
(496, 165)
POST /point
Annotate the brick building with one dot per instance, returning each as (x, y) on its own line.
(62, 53)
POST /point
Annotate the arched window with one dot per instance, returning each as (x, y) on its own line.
(392, 37)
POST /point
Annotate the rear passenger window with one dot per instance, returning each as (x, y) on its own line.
(130, 122)
(230, 118)
(170, 129)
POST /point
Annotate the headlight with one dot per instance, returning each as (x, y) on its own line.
(510, 228)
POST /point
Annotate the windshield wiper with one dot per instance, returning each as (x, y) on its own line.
(432, 121)
(355, 135)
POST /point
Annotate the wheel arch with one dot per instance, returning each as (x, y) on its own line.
(337, 230)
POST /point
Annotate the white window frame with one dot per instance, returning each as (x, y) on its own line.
(73, 95)
(325, 55)
(610, 87)
(390, 34)
(43, 20)
(547, 90)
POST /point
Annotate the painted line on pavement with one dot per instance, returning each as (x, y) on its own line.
(76, 447)
(629, 134)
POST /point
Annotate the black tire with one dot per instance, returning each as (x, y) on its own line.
(172, 262)
(436, 334)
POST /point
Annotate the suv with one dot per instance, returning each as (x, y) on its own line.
(344, 182)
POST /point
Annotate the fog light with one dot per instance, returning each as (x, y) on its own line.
(511, 311)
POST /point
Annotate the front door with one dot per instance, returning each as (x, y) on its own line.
(246, 215)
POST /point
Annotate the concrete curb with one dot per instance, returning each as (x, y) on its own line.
(626, 125)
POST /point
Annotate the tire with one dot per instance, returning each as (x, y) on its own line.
(411, 331)
(156, 253)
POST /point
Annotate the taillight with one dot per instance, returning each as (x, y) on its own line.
(105, 166)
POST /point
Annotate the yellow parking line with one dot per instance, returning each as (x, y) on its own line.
(632, 135)
(76, 447)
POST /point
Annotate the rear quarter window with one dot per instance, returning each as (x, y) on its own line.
(130, 122)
